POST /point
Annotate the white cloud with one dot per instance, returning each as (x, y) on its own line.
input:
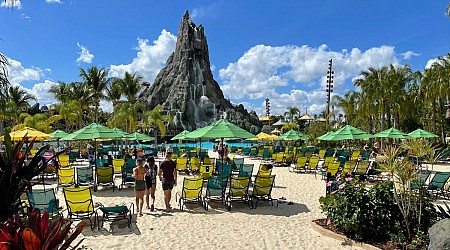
(204, 10)
(53, 1)
(262, 70)
(150, 58)
(213, 67)
(106, 106)
(11, 4)
(430, 63)
(408, 54)
(18, 73)
(85, 55)
(41, 92)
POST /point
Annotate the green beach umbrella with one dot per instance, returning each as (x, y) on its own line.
(139, 137)
(180, 136)
(420, 133)
(326, 136)
(392, 133)
(92, 132)
(292, 135)
(349, 133)
(220, 129)
(121, 132)
(58, 134)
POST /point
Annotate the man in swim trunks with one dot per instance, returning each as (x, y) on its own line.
(139, 184)
(168, 176)
(150, 180)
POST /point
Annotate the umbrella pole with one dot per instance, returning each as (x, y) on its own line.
(222, 152)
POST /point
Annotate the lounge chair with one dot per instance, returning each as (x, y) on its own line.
(362, 168)
(44, 199)
(79, 204)
(355, 155)
(104, 176)
(246, 170)
(225, 170)
(215, 189)
(182, 163)
(300, 165)
(262, 190)
(349, 167)
(238, 191)
(63, 161)
(289, 158)
(327, 161)
(118, 165)
(205, 171)
(437, 184)
(237, 162)
(322, 153)
(207, 161)
(194, 165)
(85, 176)
(279, 158)
(191, 192)
(115, 213)
(127, 177)
(422, 177)
(313, 163)
(131, 163)
(265, 170)
(332, 170)
(66, 177)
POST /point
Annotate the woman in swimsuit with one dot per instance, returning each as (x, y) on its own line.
(139, 184)
(150, 180)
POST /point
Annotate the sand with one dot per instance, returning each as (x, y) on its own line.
(266, 227)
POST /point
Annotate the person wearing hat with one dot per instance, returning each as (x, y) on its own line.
(168, 176)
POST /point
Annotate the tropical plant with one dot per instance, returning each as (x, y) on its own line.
(131, 86)
(97, 81)
(360, 212)
(155, 120)
(38, 233)
(17, 102)
(15, 176)
(61, 92)
(126, 116)
(292, 112)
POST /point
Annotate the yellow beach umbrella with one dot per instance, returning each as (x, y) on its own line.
(261, 137)
(29, 133)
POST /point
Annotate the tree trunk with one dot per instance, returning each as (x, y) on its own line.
(433, 115)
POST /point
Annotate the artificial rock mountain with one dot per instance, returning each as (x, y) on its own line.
(185, 87)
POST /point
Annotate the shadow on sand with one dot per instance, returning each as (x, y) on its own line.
(116, 227)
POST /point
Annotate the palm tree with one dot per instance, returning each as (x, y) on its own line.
(292, 112)
(81, 92)
(131, 85)
(71, 112)
(97, 81)
(61, 91)
(126, 116)
(17, 102)
(113, 93)
(154, 119)
(348, 104)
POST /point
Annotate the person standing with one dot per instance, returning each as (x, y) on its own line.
(163, 148)
(150, 180)
(168, 176)
(139, 184)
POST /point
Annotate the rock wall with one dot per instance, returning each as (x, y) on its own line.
(185, 87)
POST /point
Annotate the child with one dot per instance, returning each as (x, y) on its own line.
(139, 184)
(150, 180)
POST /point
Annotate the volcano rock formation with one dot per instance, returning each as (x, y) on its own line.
(186, 89)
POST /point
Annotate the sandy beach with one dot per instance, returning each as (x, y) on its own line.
(266, 227)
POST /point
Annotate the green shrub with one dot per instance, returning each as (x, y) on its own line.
(359, 212)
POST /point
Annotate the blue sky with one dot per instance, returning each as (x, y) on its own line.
(264, 49)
